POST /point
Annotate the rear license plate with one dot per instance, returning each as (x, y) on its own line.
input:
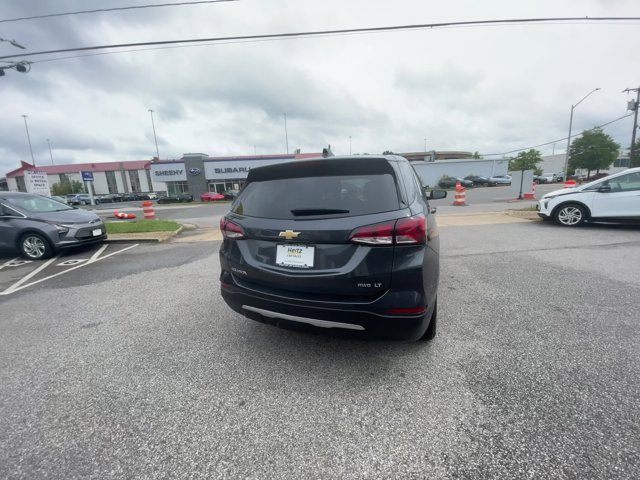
(300, 256)
(97, 232)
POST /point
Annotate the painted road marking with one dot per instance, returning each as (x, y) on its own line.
(16, 285)
(20, 284)
(72, 262)
(14, 262)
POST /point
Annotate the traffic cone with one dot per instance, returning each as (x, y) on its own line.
(532, 194)
(460, 198)
(569, 184)
(149, 212)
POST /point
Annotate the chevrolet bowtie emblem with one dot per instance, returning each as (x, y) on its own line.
(288, 234)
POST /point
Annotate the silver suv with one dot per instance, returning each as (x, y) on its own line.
(39, 226)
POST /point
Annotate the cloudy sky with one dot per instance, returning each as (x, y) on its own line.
(487, 89)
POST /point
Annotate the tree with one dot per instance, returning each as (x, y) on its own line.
(526, 160)
(593, 150)
(388, 152)
(66, 188)
(476, 155)
(635, 159)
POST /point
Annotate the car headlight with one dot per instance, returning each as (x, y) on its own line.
(61, 228)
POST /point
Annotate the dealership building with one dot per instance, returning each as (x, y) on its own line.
(194, 173)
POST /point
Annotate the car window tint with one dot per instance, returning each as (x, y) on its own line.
(358, 194)
(623, 183)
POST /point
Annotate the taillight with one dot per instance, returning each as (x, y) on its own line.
(407, 311)
(411, 230)
(231, 230)
(377, 234)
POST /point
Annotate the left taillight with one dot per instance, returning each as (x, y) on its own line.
(231, 230)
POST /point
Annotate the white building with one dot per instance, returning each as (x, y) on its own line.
(555, 164)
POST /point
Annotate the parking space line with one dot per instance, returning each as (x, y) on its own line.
(16, 285)
(94, 259)
(8, 262)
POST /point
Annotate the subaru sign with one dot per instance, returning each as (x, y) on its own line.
(87, 176)
(195, 171)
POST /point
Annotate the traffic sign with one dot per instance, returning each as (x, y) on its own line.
(87, 176)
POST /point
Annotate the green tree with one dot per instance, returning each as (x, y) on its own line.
(635, 158)
(476, 155)
(593, 150)
(388, 152)
(66, 188)
(526, 160)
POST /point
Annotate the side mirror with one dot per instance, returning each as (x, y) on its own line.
(604, 189)
(437, 194)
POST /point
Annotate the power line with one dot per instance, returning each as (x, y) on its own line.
(100, 10)
(318, 33)
(558, 140)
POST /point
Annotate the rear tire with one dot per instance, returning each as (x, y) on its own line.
(430, 334)
(570, 215)
(34, 246)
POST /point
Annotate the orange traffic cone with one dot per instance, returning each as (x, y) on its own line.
(460, 198)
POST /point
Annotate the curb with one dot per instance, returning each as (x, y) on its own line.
(144, 237)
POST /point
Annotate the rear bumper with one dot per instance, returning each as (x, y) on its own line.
(362, 318)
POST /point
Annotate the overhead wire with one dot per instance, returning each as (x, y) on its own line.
(318, 33)
(113, 9)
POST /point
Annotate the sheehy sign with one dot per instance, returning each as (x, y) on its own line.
(168, 172)
(37, 182)
(236, 169)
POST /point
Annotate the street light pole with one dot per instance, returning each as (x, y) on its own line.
(33, 160)
(349, 144)
(50, 154)
(566, 157)
(425, 144)
(153, 125)
(286, 134)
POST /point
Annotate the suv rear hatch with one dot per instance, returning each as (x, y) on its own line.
(300, 225)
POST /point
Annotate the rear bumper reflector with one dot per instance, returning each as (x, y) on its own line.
(310, 321)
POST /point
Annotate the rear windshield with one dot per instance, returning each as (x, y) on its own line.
(318, 196)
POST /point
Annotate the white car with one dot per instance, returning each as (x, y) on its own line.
(500, 179)
(615, 198)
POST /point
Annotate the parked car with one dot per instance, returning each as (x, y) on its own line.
(546, 178)
(500, 179)
(78, 199)
(615, 198)
(152, 196)
(183, 197)
(231, 194)
(450, 182)
(351, 243)
(479, 180)
(211, 197)
(59, 199)
(38, 226)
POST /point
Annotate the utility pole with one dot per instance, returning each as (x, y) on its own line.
(286, 134)
(349, 144)
(153, 124)
(566, 157)
(29, 139)
(50, 154)
(635, 108)
(425, 144)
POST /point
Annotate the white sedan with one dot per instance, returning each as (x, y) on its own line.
(615, 198)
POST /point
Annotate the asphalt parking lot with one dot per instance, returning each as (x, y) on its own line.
(133, 367)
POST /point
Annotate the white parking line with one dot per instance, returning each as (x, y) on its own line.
(20, 284)
(6, 264)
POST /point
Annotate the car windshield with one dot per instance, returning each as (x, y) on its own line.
(38, 204)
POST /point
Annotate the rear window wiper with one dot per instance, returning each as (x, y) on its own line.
(301, 212)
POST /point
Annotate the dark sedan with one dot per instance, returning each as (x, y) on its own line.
(38, 226)
(183, 197)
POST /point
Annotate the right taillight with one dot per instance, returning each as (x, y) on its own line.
(411, 230)
(406, 231)
(231, 230)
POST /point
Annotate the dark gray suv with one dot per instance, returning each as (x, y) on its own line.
(39, 226)
(343, 242)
